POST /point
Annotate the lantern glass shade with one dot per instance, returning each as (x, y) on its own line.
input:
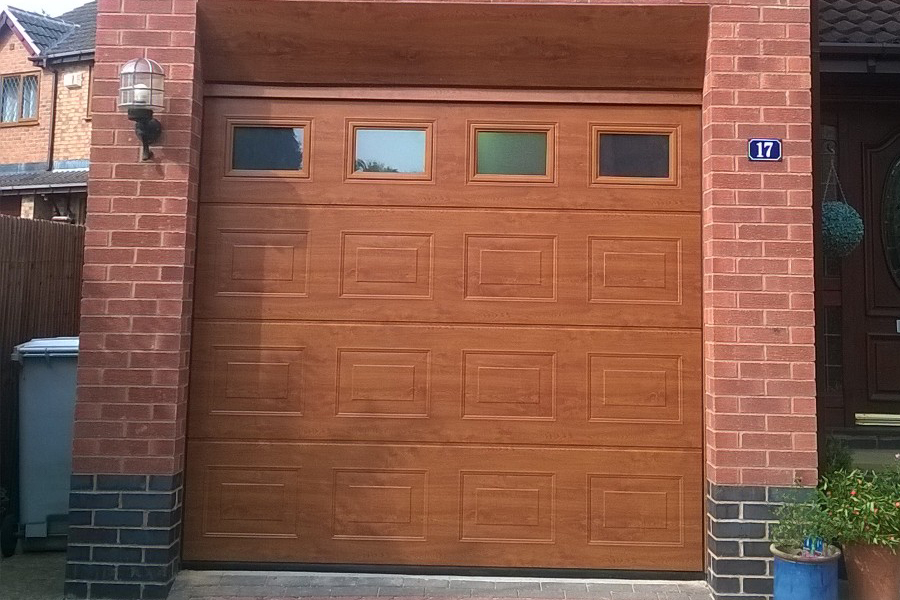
(141, 85)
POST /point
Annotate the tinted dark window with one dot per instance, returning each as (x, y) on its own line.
(267, 149)
(634, 155)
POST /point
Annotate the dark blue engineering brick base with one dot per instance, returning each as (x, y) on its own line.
(124, 536)
(739, 518)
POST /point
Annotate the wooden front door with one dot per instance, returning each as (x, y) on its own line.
(457, 334)
(870, 169)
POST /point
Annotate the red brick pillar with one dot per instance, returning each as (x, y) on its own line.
(138, 274)
(758, 283)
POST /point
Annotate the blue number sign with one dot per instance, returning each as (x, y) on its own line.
(765, 150)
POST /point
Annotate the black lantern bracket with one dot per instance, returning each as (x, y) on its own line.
(147, 128)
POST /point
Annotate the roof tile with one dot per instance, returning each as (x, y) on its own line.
(73, 31)
(859, 21)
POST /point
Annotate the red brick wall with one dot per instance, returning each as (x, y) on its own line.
(139, 250)
(73, 126)
(758, 247)
(757, 236)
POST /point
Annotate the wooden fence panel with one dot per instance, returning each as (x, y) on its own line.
(40, 296)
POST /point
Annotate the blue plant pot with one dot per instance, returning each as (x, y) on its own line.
(806, 578)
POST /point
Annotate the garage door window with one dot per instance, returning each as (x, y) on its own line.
(268, 150)
(390, 151)
(512, 153)
(634, 156)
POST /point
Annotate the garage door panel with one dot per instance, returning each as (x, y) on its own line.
(438, 356)
(449, 185)
(384, 504)
(562, 386)
(322, 263)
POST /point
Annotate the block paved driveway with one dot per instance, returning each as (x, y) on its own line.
(216, 585)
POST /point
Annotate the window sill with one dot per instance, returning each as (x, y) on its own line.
(19, 124)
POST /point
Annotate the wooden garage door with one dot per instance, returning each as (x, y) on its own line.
(447, 334)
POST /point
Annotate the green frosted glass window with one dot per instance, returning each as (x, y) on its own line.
(511, 153)
(401, 151)
(267, 149)
(634, 155)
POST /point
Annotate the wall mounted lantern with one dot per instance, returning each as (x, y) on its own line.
(141, 91)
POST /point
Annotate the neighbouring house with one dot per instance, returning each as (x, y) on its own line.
(451, 285)
(46, 67)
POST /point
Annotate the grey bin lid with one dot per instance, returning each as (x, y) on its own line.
(61, 346)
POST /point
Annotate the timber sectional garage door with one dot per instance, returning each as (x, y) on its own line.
(447, 334)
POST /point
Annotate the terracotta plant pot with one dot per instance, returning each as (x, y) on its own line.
(873, 572)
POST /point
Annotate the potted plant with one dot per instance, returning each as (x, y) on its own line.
(806, 565)
(863, 507)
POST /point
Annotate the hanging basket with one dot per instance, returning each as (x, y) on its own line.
(842, 226)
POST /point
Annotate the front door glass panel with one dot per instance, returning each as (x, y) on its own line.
(891, 222)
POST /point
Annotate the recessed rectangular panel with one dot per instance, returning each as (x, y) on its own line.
(635, 388)
(251, 501)
(507, 507)
(386, 265)
(509, 385)
(262, 262)
(511, 267)
(257, 381)
(383, 383)
(635, 270)
(375, 383)
(278, 262)
(884, 370)
(635, 510)
(379, 504)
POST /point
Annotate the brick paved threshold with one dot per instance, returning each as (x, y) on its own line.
(259, 585)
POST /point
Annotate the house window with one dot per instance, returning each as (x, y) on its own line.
(19, 98)
(635, 155)
(512, 153)
(268, 149)
(390, 151)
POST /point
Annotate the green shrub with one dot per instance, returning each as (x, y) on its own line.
(801, 516)
(836, 455)
(863, 506)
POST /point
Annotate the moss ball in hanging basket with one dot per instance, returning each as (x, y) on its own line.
(842, 228)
